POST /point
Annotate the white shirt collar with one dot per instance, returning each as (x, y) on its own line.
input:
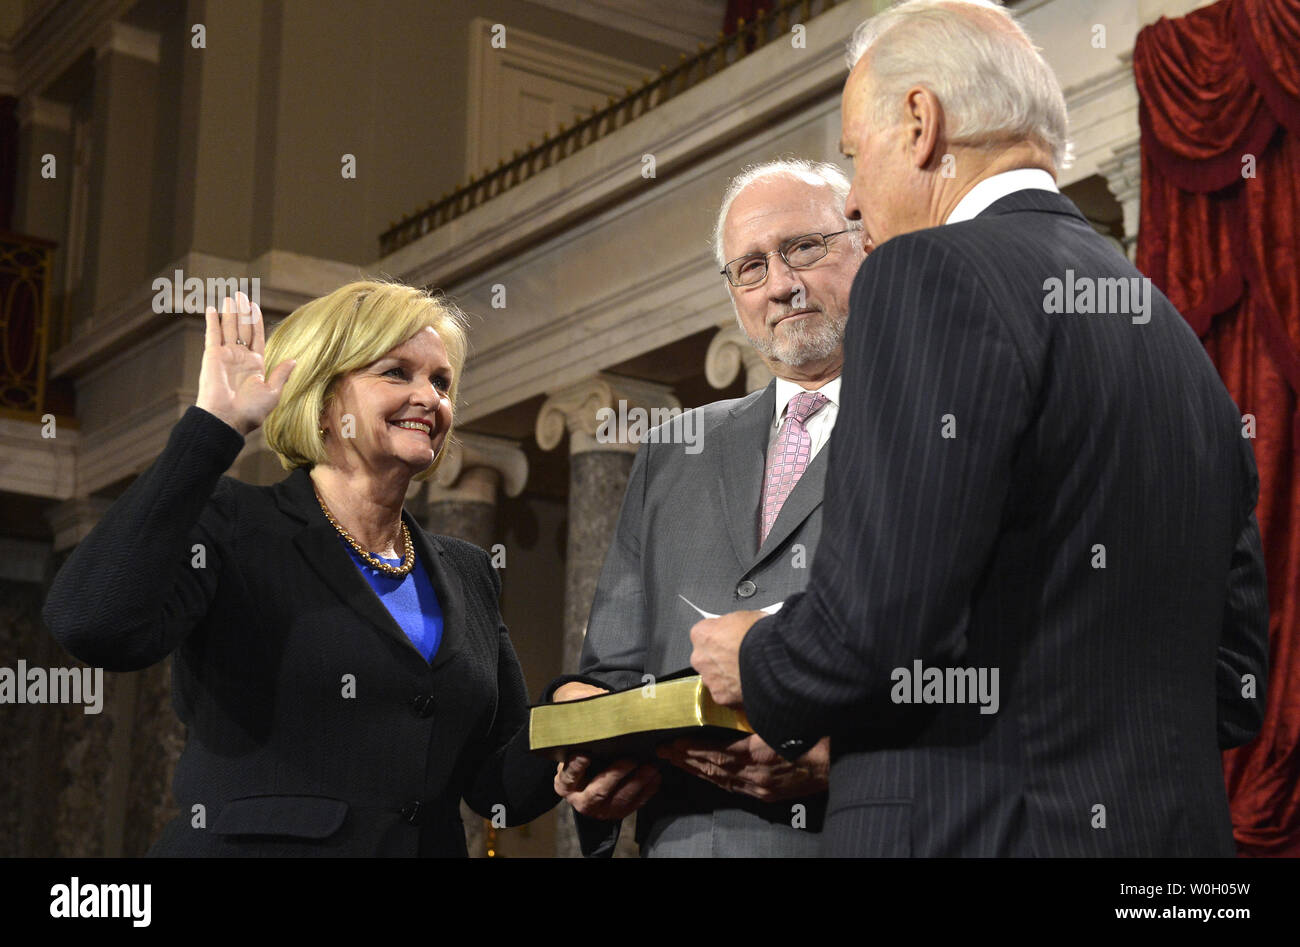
(998, 186)
(785, 390)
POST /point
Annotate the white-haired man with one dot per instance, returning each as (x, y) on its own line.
(735, 523)
(1038, 610)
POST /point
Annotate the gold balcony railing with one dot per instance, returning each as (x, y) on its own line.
(655, 91)
(25, 267)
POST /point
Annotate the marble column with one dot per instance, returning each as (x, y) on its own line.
(461, 500)
(1123, 174)
(730, 351)
(22, 572)
(113, 773)
(71, 771)
(598, 473)
(147, 742)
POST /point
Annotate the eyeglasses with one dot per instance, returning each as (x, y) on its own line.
(798, 252)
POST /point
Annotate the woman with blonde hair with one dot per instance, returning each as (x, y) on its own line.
(344, 677)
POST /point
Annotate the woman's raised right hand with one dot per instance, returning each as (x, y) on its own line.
(232, 382)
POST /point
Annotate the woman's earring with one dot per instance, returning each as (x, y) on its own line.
(322, 432)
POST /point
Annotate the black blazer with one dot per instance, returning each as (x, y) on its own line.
(314, 726)
(1076, 437)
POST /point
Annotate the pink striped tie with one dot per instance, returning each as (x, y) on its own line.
(788, 458)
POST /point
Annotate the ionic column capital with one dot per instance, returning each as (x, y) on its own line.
(729, 351)
(475, 465)
(575, 409)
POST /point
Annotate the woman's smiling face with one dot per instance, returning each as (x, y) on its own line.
(408, 384)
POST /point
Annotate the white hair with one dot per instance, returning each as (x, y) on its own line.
(817, 173)
(981, 65)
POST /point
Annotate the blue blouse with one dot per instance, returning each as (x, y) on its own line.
(410, 599)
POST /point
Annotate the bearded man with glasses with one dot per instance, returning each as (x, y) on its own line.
(733, 526)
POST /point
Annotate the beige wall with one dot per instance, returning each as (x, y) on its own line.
(384, 82)
(235, 149)
(121, 158)
(11, 16)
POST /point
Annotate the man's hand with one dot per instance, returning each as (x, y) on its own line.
(576, 690)
(717, 653)
(614, 793)
(752, 767)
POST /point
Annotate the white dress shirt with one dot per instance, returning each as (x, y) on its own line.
(997, 187)
(819, 425)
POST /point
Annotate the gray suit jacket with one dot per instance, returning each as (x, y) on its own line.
(689, 526)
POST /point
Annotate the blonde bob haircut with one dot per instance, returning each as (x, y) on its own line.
(351, 328)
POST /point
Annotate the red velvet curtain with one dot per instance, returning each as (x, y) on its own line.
(1220, 234)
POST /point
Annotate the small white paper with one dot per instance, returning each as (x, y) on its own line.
(771, 609)
(696, 607)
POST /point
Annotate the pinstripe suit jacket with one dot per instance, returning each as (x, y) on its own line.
(1077, 437)
(689, 526)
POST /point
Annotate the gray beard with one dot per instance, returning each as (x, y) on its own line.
(802, 343)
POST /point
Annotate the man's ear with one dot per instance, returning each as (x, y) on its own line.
(924, 120)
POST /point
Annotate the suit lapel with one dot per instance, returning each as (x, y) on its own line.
(739, 484)
(447, 583)
(323, 548)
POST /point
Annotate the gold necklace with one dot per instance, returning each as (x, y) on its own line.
(408, 556)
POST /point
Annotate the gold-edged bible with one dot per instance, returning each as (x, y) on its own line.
(633, 722)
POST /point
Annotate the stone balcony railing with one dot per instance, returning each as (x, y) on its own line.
(769, 26)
